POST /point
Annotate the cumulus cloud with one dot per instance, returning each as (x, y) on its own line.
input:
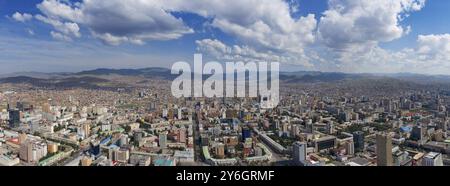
(262, 23)
(434, 46)
(294, 6)
(431, 55)
(22, 17)
(116, 40)
(349, 33)
(345, 38)
(221, 51)
(60, 37)
(117, 21)
(68, 28)
(347, 22)
(61, 9)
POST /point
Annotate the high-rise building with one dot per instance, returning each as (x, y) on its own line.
(220, 150)
(277, 124)
(299, 153)
(84, 131)
(204, 139)
(122, 155)
(284, 128)
(112, 153)
(14, 118)
(46, 107)
(34, 125)
(165, 113)
(32, 151)
(180, 114)
(358, 139)
(26, 151)
(163, 140)
(87, 130)
(22, 138)
(182, 135)
(86, 161)
(152, 106)
(140, 160)
(310, 126)
(433, 159)
(295, 129)
(330, 127)
(246, 133)
(384, 150)
(170, 114)
(23, 106)
(141, 94)
(95, 149)
(325, 143)
(417, 133)
(350, 147)
(123, 140)
(138, 135)
(52, 148)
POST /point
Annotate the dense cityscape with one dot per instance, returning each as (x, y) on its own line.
(370, 122)
(228, 90)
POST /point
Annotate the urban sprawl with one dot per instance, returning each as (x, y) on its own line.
(313, 125)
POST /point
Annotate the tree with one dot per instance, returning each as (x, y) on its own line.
(127, 129)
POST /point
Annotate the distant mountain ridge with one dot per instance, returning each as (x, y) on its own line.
(165, 74)
(312, 77)
(155, 72)
(302, 76)
(61, 83)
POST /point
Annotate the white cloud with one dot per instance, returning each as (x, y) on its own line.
(350, 22)
(349, 33)
(294, 6)
(61, 9)
(60, 37)
(434, 46)
(221, 51)
(213, 47)
(116, 40)
(431, 55)
(31, 32)
(262, 23)
(22, 17)
(117, 21)
(67, 28)
(345, 38)
(264, 27)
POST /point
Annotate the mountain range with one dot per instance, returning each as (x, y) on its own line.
(99, 78)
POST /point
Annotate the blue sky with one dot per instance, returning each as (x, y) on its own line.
(325, 35)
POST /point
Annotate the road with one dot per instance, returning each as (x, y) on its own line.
(72, 159)
(196, 136)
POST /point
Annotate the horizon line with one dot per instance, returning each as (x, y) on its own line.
(281, 71)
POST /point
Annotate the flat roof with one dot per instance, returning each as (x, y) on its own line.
(163, 162)
(432, 155)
